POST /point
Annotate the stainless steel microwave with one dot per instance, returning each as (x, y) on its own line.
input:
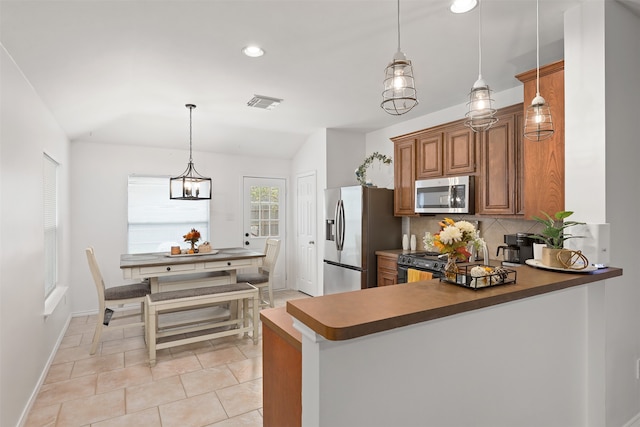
(445, 195)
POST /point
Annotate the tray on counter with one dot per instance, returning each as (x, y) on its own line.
(495, 276)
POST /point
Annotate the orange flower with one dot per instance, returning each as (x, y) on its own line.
(193, 236)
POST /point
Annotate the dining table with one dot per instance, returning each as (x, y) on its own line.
(175, 272)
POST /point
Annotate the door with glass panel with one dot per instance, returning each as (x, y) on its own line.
(264, 217)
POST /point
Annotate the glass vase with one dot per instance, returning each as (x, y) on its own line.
(451, 269)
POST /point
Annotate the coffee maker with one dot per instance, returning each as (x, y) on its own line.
(518, 248)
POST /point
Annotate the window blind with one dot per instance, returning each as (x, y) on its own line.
(155, 222)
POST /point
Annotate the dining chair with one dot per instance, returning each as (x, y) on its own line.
(263, 278)
(112, 297)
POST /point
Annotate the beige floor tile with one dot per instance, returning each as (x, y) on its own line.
(98, 364)
(249, 349)
(193, 412)
(122, 378)
(194, 348)
(246, 370)
(220, 357)
(62, 391)
(250, 419)
(154, 394)
(241, 398)
(172, 367)
(147, 418)
(71, 354)
(59, 372)
(71, 341)
(43, 417)
(122, 345)
(80, 328)
(136, 357)
(91, 409)
(207, 380)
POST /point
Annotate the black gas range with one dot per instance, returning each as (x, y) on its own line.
(432, 262)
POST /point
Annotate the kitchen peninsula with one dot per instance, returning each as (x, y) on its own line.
(432, 353)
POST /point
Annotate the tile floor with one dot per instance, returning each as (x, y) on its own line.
(212, 383)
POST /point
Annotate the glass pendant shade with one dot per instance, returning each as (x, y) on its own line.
(538, 124)
(481, 112)
(190, 185)
(399, 95)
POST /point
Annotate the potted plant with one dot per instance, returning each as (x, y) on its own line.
(554, 235)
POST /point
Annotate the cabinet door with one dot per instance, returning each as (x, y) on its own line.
(519, 137)
(544, 160)
(404, 177)
(429, 148)
(498, 168)
(387, 271)
(460, 153)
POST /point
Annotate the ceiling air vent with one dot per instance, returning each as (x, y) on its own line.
(264, 102)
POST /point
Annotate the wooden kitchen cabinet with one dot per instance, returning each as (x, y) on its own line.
(500, 180)
(429, 149)
(387, 270)
(404, 170)
(543, 171)
(460, 150)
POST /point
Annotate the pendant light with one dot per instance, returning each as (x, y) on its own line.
(399, 95)
(538, 124)
(190, 185)
(481, 112)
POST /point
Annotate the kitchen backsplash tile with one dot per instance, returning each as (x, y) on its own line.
(491, 229)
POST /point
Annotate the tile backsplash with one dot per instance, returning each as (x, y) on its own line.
(491, 229)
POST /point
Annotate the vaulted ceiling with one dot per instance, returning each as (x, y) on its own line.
(121, 72)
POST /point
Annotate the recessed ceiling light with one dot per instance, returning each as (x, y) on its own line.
(463, 6)
(253, 51)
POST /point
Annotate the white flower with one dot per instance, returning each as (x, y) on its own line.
(466, 227)
(450, 234)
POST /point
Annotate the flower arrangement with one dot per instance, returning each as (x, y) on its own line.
(193, 236)
(453, 238)
(361, 172)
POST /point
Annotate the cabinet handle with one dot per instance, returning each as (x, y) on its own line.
(229, 263)
(168, 268)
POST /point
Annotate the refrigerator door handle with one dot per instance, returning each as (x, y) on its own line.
(340, 225)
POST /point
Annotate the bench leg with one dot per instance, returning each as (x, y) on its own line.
(254, 318)
(152, 320)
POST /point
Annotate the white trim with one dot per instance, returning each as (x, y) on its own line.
(54, 298)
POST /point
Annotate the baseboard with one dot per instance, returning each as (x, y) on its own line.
(633, 422)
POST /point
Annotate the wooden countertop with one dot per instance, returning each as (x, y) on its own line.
(354, 314)
(395, 252)
(279, 321)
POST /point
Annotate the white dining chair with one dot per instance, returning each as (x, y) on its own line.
(263, 278)
(112, 297)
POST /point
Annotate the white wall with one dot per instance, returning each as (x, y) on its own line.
(99, 201)
(28, 338)
(345, 152)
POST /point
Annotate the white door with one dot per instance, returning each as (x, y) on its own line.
(264, 217)
(306, 261)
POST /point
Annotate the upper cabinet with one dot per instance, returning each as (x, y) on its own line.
(404, 170)
(429, 151)
(460, 150)
(543, 171)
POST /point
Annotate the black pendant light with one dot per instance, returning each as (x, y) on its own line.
(190, 185)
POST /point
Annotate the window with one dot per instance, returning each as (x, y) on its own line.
(50, 185)
(155, 222)
(265, 215)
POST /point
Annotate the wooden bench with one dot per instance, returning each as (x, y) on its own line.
(190, 299)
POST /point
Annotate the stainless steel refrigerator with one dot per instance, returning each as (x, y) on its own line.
(358, 222)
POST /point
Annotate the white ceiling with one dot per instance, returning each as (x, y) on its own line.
(120, 72)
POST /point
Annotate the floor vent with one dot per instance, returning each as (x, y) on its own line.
(264, 102)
